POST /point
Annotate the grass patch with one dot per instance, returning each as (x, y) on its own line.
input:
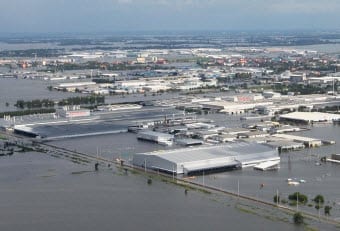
(80, 172)
(245, 210)
(47, 176)
(308, 228)
(292, 203)
(3, 137)
(134, 172)
(25, 149)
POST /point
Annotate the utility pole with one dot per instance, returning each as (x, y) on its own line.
(319, 209)
(97, 163)
(144, 165)
(277, 197)
(297, 202)
(333, 80)
(203, 178)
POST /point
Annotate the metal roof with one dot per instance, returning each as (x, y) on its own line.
(202, 153)
(155, 134)
(210, 164)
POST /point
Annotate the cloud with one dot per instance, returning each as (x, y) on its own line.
(125, 1)
(304, 6)
(255, 6)
(90, 15)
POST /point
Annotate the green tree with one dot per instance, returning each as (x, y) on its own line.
(20, 104)
(298, 218)
(301, 198)
(319, 199)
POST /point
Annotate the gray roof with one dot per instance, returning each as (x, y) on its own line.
(155, 134)
(212, 152)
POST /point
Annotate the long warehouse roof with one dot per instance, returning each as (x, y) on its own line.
(310, 116)
(210, 152)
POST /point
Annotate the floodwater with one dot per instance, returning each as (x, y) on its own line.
(300, 165)
(39, 192)
(12, 90)
(322, 48)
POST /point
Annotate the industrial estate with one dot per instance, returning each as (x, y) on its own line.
(188, 111)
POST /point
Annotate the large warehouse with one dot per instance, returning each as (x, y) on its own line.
(207, 158)
(309, 117)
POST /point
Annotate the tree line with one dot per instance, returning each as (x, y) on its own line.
(80, 100)
(36, 103)
(28, 112)
(46, 103)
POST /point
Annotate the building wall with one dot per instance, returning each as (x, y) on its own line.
(153, 160)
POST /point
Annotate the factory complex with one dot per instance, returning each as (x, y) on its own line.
(199, 132)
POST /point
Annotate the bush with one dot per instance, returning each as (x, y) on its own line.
(283, 201)
(292, 203)
(298, 218)
(301, 198)
(318, 207)
(276, 199)
(328, 210)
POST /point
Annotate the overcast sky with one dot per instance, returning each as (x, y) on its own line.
(45, 16)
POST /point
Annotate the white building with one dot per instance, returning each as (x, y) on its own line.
(207, 158)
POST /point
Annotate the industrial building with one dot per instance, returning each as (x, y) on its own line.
(231, 107)
(206, 159)
(119, 107)
(309, 117)
(158, 137)
(308, 142)
(72, 112)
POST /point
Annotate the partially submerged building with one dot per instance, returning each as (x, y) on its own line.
(158, 137)
(206, 159)
(72, 112)
(307, 141)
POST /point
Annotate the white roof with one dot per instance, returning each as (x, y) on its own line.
(205, 153)
(311, 116)
(155, 134)
(268, 164)
(292, 137)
